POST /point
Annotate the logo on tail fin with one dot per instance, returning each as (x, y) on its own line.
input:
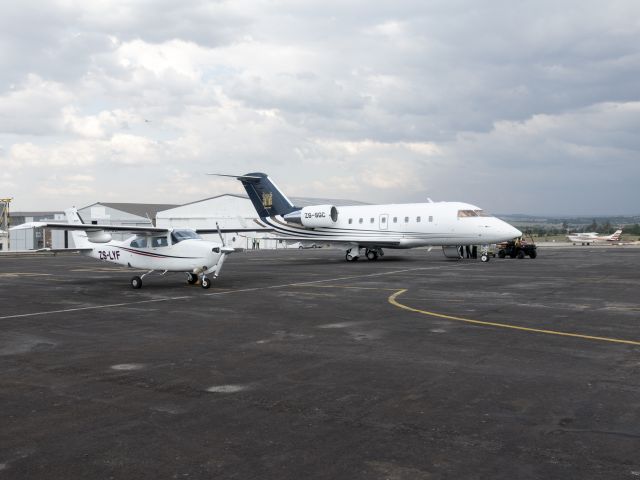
(267, 200)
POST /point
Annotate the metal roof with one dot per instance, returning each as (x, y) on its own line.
(138, 209)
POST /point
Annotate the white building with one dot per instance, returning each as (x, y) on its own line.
(229, 211)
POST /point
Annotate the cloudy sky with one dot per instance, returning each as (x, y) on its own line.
(516, 106)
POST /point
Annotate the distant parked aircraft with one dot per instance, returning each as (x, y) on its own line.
(374, 227)
(592, 237)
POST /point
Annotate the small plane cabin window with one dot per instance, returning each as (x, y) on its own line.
(140, 242)
(350, 221)
(418, 219)
(395, 219)
(430, 218)
(406, 219)
(360, 220)
(371, 221)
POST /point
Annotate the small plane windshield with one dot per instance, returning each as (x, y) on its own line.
(180, 235)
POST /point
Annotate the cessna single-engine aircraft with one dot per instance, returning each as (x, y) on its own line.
(150, 248)
(588, 238)
(374, 227)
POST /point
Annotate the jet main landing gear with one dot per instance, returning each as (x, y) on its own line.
(374, 253)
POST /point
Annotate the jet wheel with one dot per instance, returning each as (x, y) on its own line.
(351, 258)
(484, 258)
(372, 255)
(136, 282)
(206, 283)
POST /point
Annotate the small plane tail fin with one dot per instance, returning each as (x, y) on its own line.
(616, 235)
(80, 238)
(267, 198)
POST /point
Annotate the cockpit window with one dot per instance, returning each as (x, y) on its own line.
(179, 235)
(466, 213)
(159, 241)
(472, 213)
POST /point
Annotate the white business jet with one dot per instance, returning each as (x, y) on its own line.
(370, 228)
(588, 238)
(150, 248)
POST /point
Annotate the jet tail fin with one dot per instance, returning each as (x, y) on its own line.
(267, 198)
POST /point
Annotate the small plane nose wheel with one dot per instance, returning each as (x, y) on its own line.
(136, 282)
(192, 278)
(206, 283)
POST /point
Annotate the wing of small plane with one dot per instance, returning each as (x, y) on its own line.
(91, 227)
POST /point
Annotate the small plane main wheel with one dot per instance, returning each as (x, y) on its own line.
(206, 283)
(520, 254)
(372, 255)
(484, 258)
(193, 278)
(136, 282)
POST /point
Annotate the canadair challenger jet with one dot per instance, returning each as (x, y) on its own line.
(370, 228)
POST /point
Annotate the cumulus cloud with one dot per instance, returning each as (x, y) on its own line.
(385, 101)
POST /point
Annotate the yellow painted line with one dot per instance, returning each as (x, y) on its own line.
(346, 286)
(393, 301)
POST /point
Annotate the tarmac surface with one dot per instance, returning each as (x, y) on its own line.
(299, 365)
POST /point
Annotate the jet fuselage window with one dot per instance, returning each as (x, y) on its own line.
(360, 220)
(430, 218)
(371, 221)
(395, 219)
(350, 221)
(418, 219)
(406, 219)
(383, 220)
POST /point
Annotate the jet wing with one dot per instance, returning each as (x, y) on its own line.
(343, 240)
(87, 227)
(232, 230)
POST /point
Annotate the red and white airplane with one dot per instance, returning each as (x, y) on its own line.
(592, 237)
(150, 248)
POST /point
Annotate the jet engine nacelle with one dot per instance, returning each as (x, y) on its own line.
(451, 251)
(319, 216)
(98, 236)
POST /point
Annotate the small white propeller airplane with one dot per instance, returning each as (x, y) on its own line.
(150, 248)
